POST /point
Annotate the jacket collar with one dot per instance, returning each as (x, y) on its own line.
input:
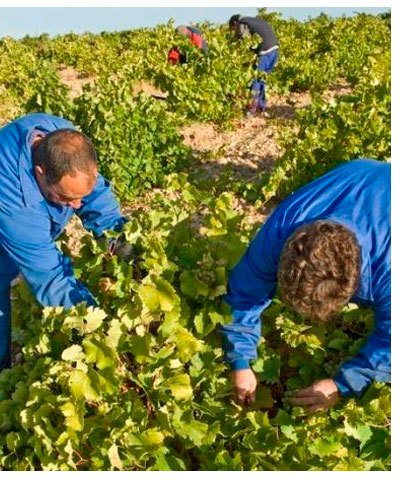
(30, 188)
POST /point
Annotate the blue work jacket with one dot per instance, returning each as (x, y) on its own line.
(357, 195)
(29, 224)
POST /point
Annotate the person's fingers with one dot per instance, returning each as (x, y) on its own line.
(318, 408)
(245, 396)
(239, 398)
(250, 398)
(301, 401)
(253, 396)
(314, 408)
(240, 394)
(247, 400)
(304, 392)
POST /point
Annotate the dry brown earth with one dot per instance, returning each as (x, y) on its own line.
(250, 148)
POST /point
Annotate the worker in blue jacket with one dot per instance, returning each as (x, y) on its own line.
(48, 173)
(325, 245)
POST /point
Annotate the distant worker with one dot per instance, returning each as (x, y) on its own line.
(175, 56)
(267, 55)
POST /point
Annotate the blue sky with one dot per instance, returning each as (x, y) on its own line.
(17, 22)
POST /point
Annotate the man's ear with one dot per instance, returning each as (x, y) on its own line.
(39, 171)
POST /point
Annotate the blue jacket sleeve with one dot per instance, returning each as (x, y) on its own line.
(25, 236)
(372, 362)
(100, 210)
(251, 286)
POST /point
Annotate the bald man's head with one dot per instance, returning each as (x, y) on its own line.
(183, 30)
(65, 152)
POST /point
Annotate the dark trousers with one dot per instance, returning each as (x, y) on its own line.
(8, 272)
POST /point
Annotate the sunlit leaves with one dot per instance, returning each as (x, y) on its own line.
(140, 383)
(180, 387)
(81, 386)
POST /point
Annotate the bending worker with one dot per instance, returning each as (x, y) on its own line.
(48, 173)
(267, 55)
(325, 245)
(195, 37)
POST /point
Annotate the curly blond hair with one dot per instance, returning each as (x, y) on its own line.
(319, 269)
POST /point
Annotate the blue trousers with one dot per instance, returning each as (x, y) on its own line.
(258, 88)
(8, 271)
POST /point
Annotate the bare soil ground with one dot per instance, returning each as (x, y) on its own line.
(250, 148)
(74, 81)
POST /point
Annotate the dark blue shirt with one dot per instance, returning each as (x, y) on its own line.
(261, 28)
(356, 195)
